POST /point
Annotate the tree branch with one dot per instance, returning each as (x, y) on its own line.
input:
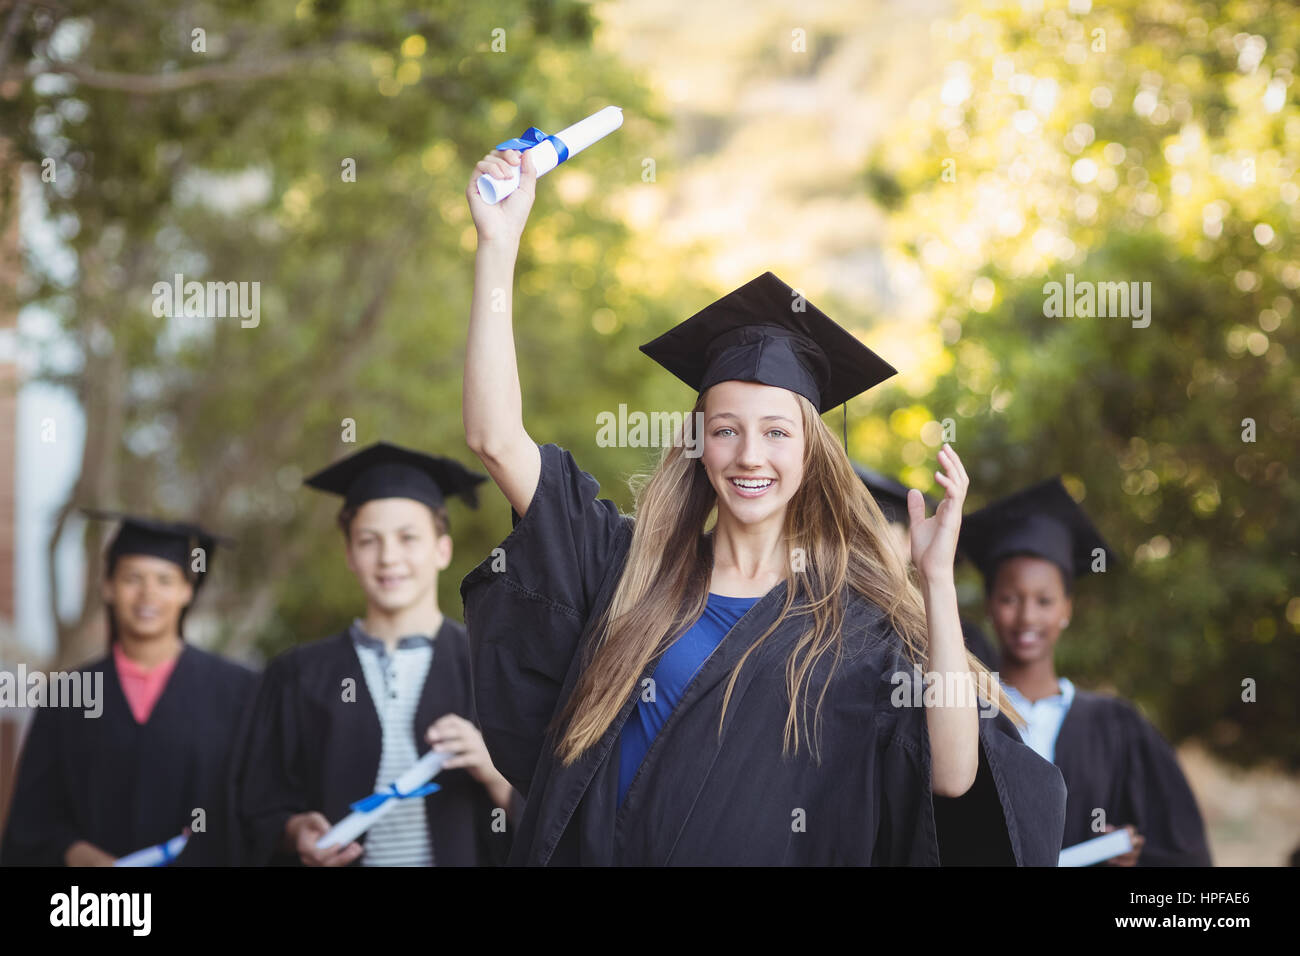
(16, 14)
(158, 83)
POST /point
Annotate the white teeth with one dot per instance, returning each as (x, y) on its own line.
(754, 483)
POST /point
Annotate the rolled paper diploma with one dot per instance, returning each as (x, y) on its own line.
(159, 855)
(547, 153)
(366, 813)
(1113, 844)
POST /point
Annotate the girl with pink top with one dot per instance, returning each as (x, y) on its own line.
(148, 759)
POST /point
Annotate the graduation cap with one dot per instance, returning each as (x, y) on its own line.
(891, 495)
(172, 541)
(1042, 520)
(384, 470)
(764, 332)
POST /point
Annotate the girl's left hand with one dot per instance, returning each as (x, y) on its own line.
(934, 539)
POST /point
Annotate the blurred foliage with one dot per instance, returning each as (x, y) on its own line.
(365, 285)
(1148, 142)
(1125, 142)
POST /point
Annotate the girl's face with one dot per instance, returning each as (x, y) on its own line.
(753, 449)
(147, 595)
(1029, 607)
(395, 551)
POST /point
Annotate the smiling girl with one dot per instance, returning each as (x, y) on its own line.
(93, 787)
(1030, 547)
(669, 690)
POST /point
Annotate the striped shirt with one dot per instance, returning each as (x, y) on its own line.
(396, 682)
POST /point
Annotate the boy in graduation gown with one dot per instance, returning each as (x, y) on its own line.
(1030, 547)
(891, 496)
(339, 718)
(155, 761)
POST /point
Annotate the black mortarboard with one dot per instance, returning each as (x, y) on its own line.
(1042, 520)
(384, 470)
(172, 541)
(891, 495)
(764, 332)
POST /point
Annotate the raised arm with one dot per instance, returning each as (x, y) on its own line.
(492, 404)
(954, 725)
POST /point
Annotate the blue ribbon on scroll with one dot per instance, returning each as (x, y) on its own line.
(532, 136)
(168, 855)
(380, 797)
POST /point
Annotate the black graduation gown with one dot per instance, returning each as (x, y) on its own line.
(309, 749)
(125, 786)
(979, 645)
(1113, 759)
(695, 801)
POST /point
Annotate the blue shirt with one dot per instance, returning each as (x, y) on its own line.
(1043, 717)
(671, 676)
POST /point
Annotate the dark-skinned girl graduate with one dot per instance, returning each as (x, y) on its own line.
(155, 761)
(667, 694)
(891, 496)
(1030, 548)
(342, 717)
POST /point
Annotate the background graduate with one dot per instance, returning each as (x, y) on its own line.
(338, 718)
(891, 496)
(156, 760)
(1030, 547)
(666, 695)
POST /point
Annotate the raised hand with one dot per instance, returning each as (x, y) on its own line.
(503, 221)
(934, 539)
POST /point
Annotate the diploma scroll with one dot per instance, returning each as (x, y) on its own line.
(547, 152)
(1113, 844)
(159, 855)
(366, 813)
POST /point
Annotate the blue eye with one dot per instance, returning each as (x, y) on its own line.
(720, 431)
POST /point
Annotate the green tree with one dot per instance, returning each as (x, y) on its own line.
(1127, 142)
(320, 148)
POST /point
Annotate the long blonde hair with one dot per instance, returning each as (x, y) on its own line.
(843, 537)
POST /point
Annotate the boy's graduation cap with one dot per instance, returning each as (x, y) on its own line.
(765, 332)
(384, 470)
(891, 495)
(172, 541)
(1042, 520)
